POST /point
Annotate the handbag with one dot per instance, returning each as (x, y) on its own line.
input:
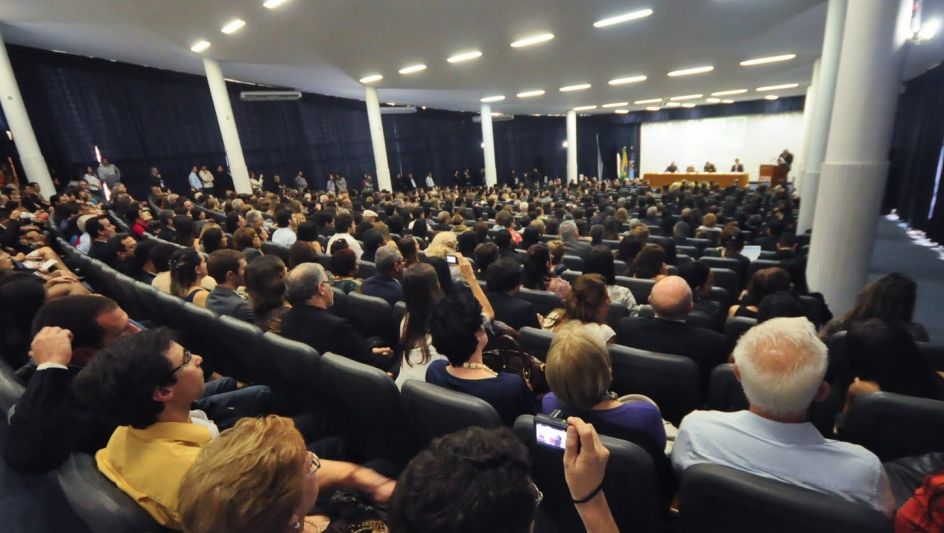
(504, 354)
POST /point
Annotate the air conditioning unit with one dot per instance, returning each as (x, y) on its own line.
(398, 110)
(504, 117)
(269, 96)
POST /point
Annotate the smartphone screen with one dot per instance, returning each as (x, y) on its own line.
(550, 436)
(452, 259)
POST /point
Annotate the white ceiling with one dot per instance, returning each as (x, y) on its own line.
(325, 46)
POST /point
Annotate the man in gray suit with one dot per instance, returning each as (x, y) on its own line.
(572, 245)
(228, 267)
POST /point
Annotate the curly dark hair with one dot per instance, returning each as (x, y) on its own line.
(120, 380)
(453, 323)
(469, 481)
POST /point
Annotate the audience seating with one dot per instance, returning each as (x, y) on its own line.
(728, 280)
(366, 269)
(544, 301)
(813, 309)
(10, 389)
(237, 351)
(435, 411)
(690, 251)
(722, 296)
(736, 326)
(573, 262)
(723, 262)
(372, 316)
(270, 248)
(639, 287)
(718, 499)
(630, 483)
(367, 404)
(761, 264)
(933, 354)
(535, 341)
(571, 275)
(724, 390)
(672, 381)
(894, 425)
(616, 312)
(325, 261)
(699, 244)
(620, 268)
(98, 502)
(294, 374)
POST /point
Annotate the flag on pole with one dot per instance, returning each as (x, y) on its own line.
(624, 165)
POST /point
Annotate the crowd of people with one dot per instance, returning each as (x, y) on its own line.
(202, 452)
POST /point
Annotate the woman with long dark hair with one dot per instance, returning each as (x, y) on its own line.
(601, 262)
(187, 270)
(421, 291)
(265, 283)
(890, 297)
(537, 272)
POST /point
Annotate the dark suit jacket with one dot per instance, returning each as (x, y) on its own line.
(578, 248)
(514, 311)
(98, 250)
(737, 168)
(326, 332)
(49, 423)
(383, 287)
(223, 301)
(706, 347)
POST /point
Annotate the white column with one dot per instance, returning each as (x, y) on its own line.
(808, 104)
(224, 115)
(856, 164)
(13, 108)
(571, 146)
(819, 126)
(377, 139)
(488, 140)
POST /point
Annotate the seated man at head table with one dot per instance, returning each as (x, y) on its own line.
(672, 167)
(710, 167)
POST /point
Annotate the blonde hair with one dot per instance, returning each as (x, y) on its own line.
(249, 479)
(782, 363)
(443, 243)
(578, 367)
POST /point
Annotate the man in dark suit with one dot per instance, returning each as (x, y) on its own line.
(671, 299)
(100, 229)
(504, 280)
(228, 268)
(570, 237)
(737, 166)
(386, 283)
(310, 322)
(672, 167)
(710, 167)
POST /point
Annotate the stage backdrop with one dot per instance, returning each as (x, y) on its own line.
(755, 139)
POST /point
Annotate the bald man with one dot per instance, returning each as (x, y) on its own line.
(671, 299)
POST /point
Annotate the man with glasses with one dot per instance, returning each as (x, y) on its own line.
(154, 389)
(309, 320)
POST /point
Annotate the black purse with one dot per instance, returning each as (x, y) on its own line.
(503, 354)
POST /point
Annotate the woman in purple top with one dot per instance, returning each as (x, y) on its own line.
(580, 374)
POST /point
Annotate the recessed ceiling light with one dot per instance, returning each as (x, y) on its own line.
(532, 39)
(371, 78)
(688, 105)
(585, 108)
(672, 104)
(627, 79)
(713, 100)
(233, 26)
(928, 30)
(616, 104)
(729, 93)
(771, 97)
(530, 94)
(272, 4)
(413, 69)
(200, 46)
(497, 114)
(464, 56)
(778, 87)
(765, 60)
(648, 101)
(727, 101)
(625, 17)
(621, 111)
(686, 97)
(577, 87)
(653, 108)
(690, 71)
(391, 103)
(490, 99)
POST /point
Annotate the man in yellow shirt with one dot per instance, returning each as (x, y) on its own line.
(148, 382)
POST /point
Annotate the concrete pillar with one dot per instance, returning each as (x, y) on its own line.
(488, 140)
(819, 120)
(377, 139)
(571, 146)
(18, 120)
(809, 102)
(224, 115)
(856, 164)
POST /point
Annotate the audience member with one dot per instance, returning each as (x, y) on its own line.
(600, 261)
(586, 308)
(421, 292)
(386, 283)
(344, 266)
(705, 311)
(21, 296)
(228, 268)
(285, 234)
(570, 237)
(537, 272)
(671, 300)
(310, 322)
(890, 297)
(763, 283)
(248, 242)
(443, 244)
(780, 305)
(187, 270)
(504, 283)
(781, 365)
(486, 253)
(265, 283)
(306, 248)
(457, 332)
(345, 228)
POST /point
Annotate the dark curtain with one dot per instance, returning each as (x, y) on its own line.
(440, 142)
(916, 150)
(527, 143)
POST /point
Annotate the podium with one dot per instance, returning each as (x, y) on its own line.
(774, 174)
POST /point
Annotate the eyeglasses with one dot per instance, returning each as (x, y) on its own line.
(315, 465)
(184, 361)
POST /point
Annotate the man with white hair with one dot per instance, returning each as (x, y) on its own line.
(781, 364)
(570, 235)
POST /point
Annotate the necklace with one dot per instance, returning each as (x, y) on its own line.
(479, 366)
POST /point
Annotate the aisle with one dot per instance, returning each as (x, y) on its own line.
(896, 251)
